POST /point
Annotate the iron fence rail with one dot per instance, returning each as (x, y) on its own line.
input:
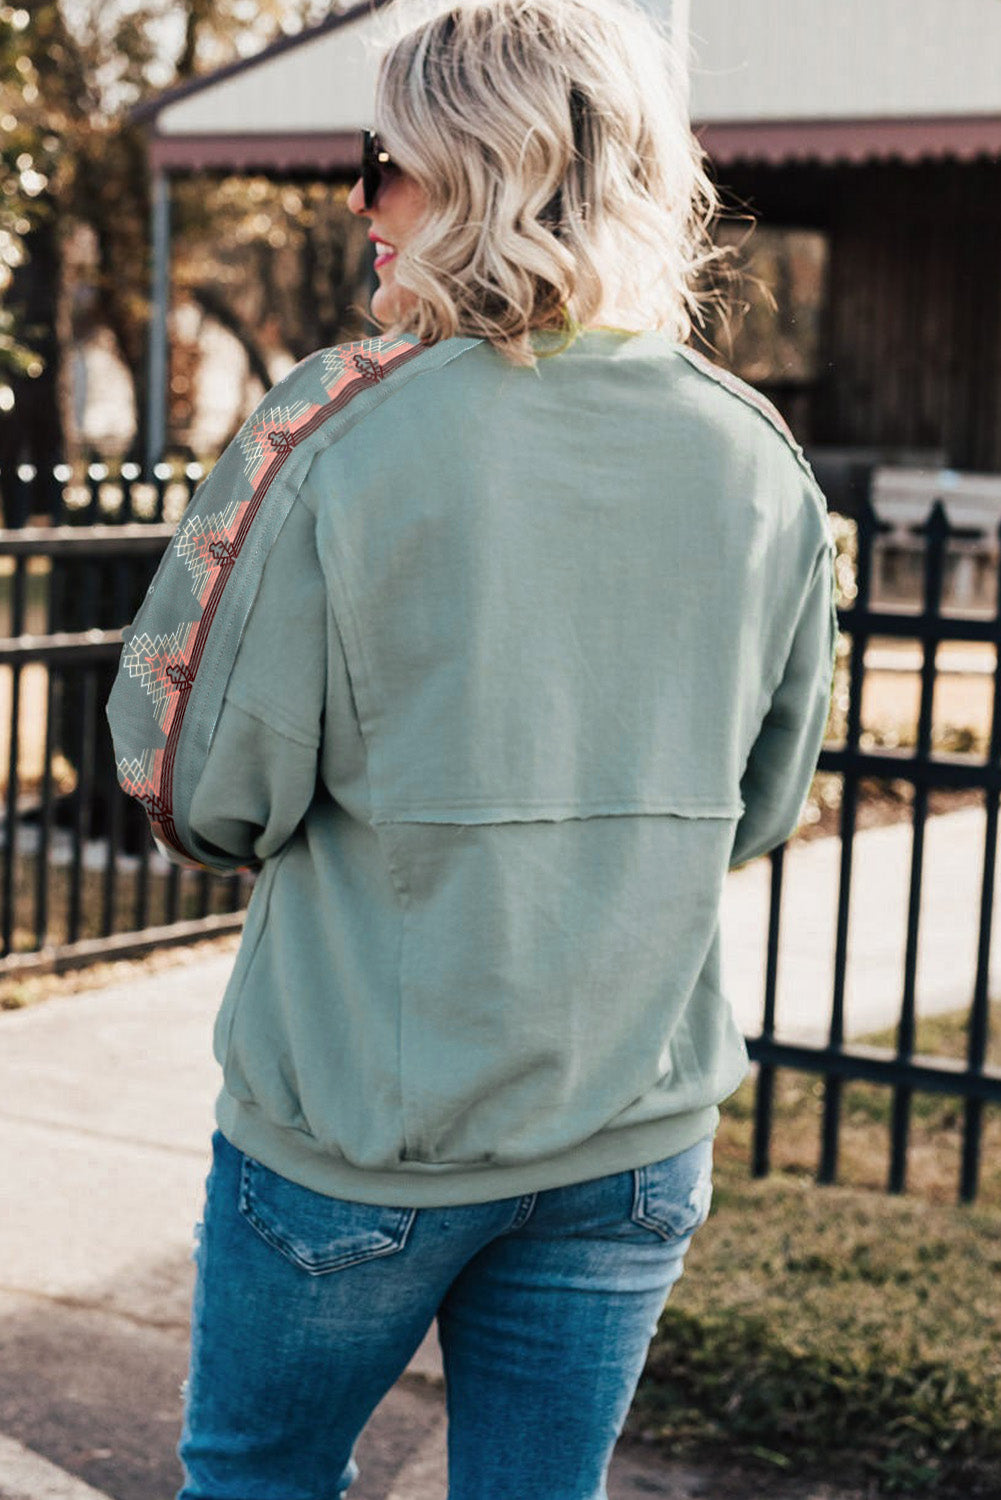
(80, 878)
(132, 538)
(78, 646)
(901, 1070)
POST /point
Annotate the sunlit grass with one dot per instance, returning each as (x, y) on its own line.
(842, 1332)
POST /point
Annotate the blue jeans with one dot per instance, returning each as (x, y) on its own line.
(307, 1309)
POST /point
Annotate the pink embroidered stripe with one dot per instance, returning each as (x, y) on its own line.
(357, 372)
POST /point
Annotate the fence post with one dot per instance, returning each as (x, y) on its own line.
(156, 420)
(859, 496)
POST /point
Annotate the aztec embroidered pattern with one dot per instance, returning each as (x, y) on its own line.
(210, 539)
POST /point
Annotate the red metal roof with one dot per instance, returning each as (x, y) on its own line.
(770, 142)
(960, 138)
(295, 151)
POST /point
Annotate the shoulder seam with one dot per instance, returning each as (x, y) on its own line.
(750, 397)
(362, 368)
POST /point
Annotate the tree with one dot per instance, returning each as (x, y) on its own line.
(30, 151)
(73, 172)
(70, 159)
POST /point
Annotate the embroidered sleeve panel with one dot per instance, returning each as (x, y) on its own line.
(185, 636)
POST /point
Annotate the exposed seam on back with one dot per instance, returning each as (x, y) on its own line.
(753, 398)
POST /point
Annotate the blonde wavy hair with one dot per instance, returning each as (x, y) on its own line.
(563, 179)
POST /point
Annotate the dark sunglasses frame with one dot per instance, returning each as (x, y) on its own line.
(375, 162)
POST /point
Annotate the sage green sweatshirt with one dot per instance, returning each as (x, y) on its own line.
(524, 662)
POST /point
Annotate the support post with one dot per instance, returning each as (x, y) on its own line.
(156, 413)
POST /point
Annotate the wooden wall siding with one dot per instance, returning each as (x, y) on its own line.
(913, 323)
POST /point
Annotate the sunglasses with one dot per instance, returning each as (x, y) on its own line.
(376, 165)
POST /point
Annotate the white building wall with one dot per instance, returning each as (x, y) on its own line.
(844, 59)
(323, 85)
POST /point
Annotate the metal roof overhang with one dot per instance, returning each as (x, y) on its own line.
(295, 151)
(826, 142)
(768, 142)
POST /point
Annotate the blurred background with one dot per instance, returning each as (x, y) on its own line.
(866, 156)
(263, 269)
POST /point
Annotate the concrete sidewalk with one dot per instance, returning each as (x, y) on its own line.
(105, 1120)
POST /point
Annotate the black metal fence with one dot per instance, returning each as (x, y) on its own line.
(972, 1081)
(81, 879)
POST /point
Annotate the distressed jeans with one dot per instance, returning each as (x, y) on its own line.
(308, 1308)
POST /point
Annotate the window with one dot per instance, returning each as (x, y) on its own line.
(776, 307)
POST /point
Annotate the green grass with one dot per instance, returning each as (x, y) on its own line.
(841, 1332)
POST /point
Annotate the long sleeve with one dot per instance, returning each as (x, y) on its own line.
(260, 773)
(783, 759)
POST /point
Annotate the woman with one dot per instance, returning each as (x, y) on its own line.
(492, 642)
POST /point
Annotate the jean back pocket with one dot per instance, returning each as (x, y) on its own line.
(317, 1233)
(673, 1196)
